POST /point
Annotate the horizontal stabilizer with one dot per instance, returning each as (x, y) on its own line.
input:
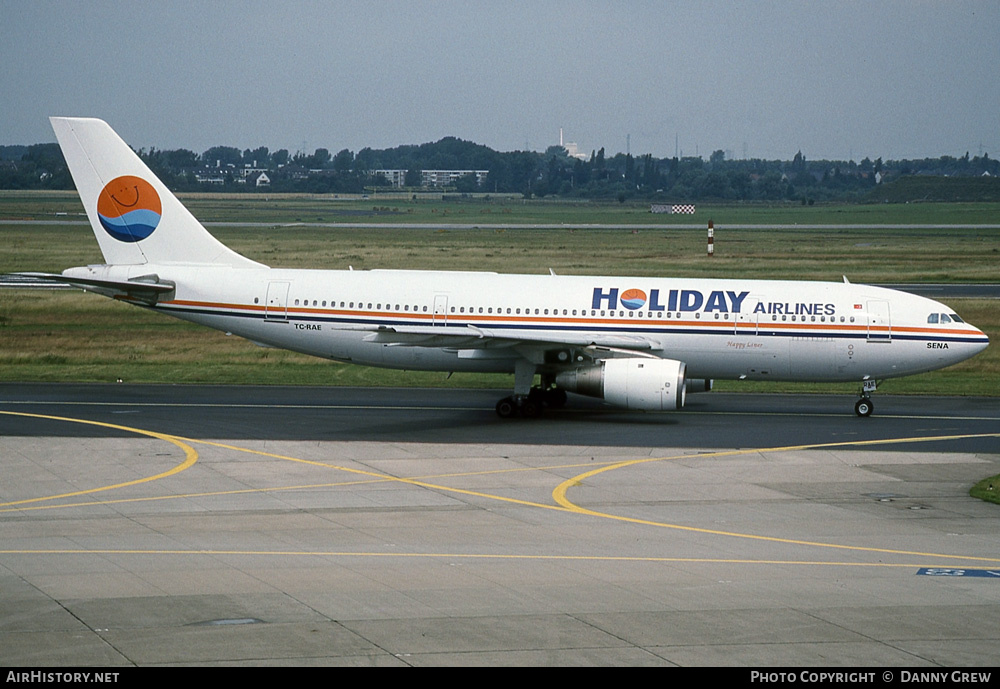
(148, 288)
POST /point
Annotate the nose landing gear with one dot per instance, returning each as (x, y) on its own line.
(864, 406)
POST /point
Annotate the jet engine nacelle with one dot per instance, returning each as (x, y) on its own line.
(633, 383)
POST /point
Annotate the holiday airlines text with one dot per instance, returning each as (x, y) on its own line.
(723, 301)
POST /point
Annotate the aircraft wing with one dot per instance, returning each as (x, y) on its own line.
(472, 337)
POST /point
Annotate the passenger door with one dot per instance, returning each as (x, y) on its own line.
(276, 304)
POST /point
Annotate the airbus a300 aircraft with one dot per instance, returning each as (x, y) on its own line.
(636, 342)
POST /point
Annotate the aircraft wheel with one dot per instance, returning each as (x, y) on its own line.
(506, 408)
(531, 408)
(864, 407)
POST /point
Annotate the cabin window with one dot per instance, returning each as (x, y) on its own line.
(296, 302)
(256, 300)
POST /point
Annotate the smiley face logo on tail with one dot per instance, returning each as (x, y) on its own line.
(129, 208)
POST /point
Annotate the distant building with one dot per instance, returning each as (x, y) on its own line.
(446, 178)
(571, 148)
(205, 177)
(431, 178)
(395, 178)
(259, 179)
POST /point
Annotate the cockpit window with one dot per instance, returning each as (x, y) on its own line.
(933, 318)
(955, 318)
(944, 318)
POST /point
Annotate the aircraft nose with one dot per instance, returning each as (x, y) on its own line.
(979, 340)
(986, 340)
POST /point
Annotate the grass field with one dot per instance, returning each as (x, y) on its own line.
(288, 208)
(71, 336)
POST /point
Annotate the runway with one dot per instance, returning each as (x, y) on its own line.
(162, 525)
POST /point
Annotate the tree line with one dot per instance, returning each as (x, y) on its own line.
(533, 174)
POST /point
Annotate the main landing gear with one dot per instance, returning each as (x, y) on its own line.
(528, 401)
(864, 406)
(530, 406)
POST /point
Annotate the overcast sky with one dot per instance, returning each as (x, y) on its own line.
(837, 80)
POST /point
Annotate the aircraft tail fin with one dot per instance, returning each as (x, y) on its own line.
(136, 219)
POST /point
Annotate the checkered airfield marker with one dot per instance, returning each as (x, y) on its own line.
(675, 209)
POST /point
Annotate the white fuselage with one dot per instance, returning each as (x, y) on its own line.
(453, 321)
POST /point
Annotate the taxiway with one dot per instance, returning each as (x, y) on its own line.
(147, 525)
